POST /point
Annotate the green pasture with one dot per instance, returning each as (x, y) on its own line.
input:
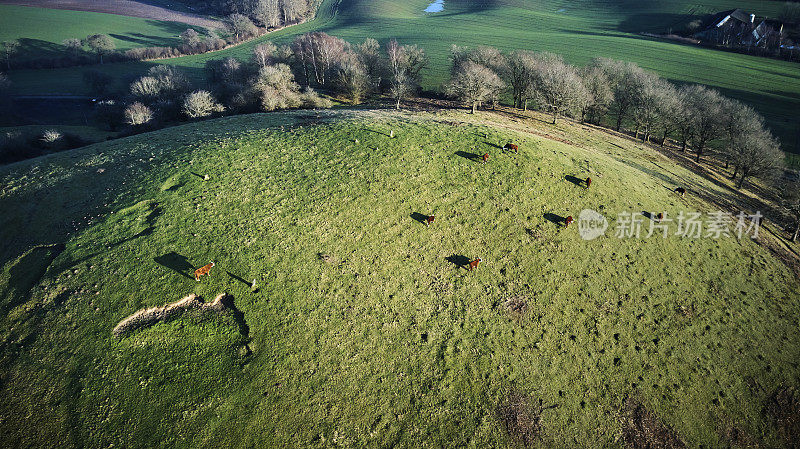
(41, 31)
(363, 330)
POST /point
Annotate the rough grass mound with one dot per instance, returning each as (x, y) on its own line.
(148, 317)
(641, 429)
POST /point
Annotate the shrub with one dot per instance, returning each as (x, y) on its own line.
(138, 114)
(200, 104)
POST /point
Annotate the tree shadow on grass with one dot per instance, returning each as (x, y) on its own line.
(555, 219)
(470, 156)
(175, 262)
(458, 260)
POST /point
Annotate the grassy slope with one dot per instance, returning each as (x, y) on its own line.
(41, 31)
(577, 30)
(363, 332)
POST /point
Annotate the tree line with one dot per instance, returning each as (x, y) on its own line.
(616, 93)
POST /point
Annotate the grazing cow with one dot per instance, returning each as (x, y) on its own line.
(485, 157)
(511, 146)
(680, 191)
(660, 217)
(568, 221)
(429, 219)
(588, 182)
(206, 269)
(474, 264)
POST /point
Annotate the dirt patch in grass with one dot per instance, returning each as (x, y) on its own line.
(123, 8)
(641, 429)
(148, 317)
(784, 408)
(516, 307)
(521, 416)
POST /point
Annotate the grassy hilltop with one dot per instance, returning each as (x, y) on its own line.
(363, 330)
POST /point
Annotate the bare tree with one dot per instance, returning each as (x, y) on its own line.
(473, 83)
(240, 26)
(736, 121)
(190, 37)
(556, 85)
(200, 103)
(598, 93)
(789, 189)
(74, 45)
(405, 64)
(268, 12)
(351, 77)
(316, 54)
(9, 48)
(262, 54)
(648, 111)
(758, 155)
(100, 44)
(519, 74)
(369, 52)
(138, 114)
(626, 81)
(705, 106)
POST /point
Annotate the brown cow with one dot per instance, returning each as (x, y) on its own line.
(511, 146)
(429, 219)
(588, 182)
(205, 269)
(680, 191)
(568, 221)
(485, 157)
(474, 264)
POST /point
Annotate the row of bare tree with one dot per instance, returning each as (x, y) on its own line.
(620, 93)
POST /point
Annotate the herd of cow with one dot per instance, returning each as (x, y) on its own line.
(567, 221)
(206, 270)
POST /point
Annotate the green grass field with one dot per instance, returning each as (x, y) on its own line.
(579, 30)
(41, 31)
(364, 332)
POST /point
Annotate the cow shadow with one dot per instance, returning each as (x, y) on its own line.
(470, 156)
(577, 181)
(494, 145)
(175, 262)
(555, 219)
(420, 217)
(458, 260)
(648, 215)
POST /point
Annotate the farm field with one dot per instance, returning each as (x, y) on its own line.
(41, 31)
(578, 30)
(362, 329)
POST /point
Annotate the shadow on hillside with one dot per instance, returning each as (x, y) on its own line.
(175, 262)
(458, 260)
